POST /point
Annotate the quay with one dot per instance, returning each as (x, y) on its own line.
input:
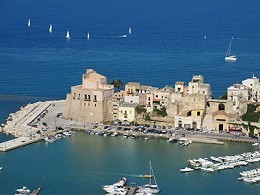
(27, 126)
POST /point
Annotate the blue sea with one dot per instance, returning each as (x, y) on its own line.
(166, 45)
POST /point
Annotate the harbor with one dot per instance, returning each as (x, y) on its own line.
(34, 122)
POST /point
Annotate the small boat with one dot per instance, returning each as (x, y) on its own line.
(68, 35)
(186, 169)
(114, 134)
(172, 139)
(50, 28)
(23, 191)
(123, 36)
(1, 168)
(88, 36)
(50, 139)
(147, 138)
(205, 37)
(147, 176)
(130, 31)
(207, 169)
(29, 23)
(229, 57)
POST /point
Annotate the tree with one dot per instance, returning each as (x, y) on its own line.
(117, 84)
(224, 96)
(251, 115)
(139, 109)
(147, 117)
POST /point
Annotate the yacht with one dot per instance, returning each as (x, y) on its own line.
(23, 190)
(149, 188)
(229, 57)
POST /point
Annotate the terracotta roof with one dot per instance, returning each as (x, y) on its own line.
(219, 112)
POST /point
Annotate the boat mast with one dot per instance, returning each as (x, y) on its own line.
(150, 180)
(153, 176)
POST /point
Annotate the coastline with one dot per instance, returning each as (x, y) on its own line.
(22, 126)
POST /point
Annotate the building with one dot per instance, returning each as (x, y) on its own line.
(132, 87)
(190, 111)
(127, 112)
(90, 101)
(197, 85)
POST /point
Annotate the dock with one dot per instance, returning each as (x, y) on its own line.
(131, 191)
(35, 192)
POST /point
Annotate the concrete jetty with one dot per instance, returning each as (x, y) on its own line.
(22, 125)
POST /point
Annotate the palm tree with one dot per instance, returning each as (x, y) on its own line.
(117, 84)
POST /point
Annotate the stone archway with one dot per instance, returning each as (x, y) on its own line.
(194, 125)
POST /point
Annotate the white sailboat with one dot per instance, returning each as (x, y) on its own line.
(130, 31)
(50, 29)
(68, 35)
(149, 188)
(29, 23)
(88, 36)
(229, 57)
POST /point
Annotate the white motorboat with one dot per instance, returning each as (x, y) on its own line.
(255, 144)
(116, 188)
(88, 36)
(147, 138)
(186, 169)
(229, 57)
(66, 133)
(50, 139)
(1, 168)
(114, 134)
(68, 35)
(23, 191)
(207, 169)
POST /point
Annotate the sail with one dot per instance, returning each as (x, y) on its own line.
(50, 29)
(130, 31)
(29, 23)
(68, 35)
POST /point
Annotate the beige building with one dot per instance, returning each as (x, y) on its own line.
(197, 85)
(190, 111)
(90, 101)
(117, 99)
(131, 88)
(127, 112)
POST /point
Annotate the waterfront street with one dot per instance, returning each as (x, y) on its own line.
(52, 122)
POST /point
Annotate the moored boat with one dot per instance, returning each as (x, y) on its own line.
(186, 169)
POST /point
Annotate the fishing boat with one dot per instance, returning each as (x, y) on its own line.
(29, 23)
(149, 188)
(229, 57)
(68, 35)
(50, 28)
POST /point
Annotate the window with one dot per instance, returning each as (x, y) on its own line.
(198, 113)
(95, 105)
(88, 97)
(85, 97)
(189, 113)
(95, 97)
(74, 95)
(221, 107)
(79, 97)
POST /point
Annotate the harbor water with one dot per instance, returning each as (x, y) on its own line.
(171, 40)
